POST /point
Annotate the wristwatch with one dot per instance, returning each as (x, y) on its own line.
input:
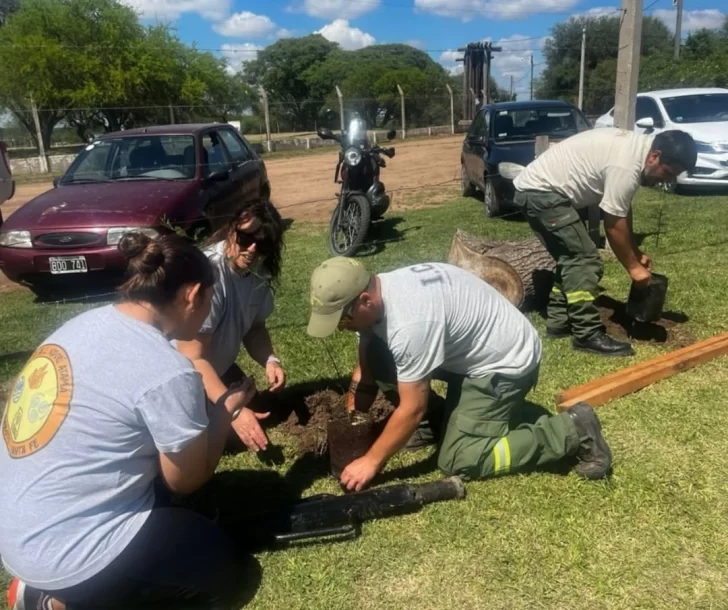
(273, 358)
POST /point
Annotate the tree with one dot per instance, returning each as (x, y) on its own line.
(562, 52)
(282, 68)
(65, 54)
(93, 64)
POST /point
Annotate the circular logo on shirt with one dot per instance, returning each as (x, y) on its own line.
(38, 402)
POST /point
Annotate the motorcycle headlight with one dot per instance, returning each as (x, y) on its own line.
(113, 237)
(15, 239)
(711, 148)
(352, 157)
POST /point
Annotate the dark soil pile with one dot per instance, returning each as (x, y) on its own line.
(668, 330)
(309, 427)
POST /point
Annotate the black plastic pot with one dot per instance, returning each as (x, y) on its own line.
(646, 304)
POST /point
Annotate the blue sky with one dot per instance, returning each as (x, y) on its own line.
(235, 29)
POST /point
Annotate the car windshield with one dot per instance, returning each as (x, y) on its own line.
(144, 157)
(527, 123)
(698, 108)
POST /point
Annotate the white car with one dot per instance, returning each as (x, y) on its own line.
(701, 112)
(7, 184)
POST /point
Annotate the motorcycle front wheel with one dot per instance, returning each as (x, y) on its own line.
(349, 225)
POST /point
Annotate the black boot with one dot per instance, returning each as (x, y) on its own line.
(594, 455)
(558, 333)
(603, 345)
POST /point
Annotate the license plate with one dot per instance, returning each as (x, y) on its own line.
(68, 264)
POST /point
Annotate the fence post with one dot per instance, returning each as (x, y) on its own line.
(264, 97)
(452, 109)
(341, 107)
(171, 115)
(404, 126)
(42, 159)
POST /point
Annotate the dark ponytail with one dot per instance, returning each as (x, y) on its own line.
(159, 267)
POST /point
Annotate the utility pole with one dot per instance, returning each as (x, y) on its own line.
(489, 50)
(511, 88)
(678, 26)
(531, 76)
(581, 68)
(628, 64)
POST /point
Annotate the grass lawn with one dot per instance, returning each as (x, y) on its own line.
(654, 536)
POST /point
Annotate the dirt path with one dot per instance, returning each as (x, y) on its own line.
(422, 172)
(303, 187)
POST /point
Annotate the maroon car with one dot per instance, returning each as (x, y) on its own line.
(148, 179)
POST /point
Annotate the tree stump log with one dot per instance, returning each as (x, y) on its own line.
(522, 271)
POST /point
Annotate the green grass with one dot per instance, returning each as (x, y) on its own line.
(654, 536)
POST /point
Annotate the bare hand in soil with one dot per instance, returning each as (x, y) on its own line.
(640, 276)
(248, 429)
(276, 376)
(359, 473)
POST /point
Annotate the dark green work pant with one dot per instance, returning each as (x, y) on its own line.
(578, 266)
(480, 429)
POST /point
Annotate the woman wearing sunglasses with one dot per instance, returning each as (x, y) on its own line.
(247, 255)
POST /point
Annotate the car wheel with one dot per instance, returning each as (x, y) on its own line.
(490, 199)
(466, 187)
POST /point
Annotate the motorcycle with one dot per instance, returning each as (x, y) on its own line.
(363, 197)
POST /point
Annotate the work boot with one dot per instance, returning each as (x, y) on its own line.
(603, 345)
(594, 455)
(558, 332)
(422, 437)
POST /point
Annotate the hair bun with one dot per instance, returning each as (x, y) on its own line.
(145, 255)
(133, 244)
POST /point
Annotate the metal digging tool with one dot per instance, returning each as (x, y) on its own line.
(327, 517)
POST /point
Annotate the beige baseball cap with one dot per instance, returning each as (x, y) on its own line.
(334, 284)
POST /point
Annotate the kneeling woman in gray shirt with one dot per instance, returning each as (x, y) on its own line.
(247, 256)
(103, 411)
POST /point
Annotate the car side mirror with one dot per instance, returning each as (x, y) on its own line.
(325, 133)
(56, 180)
(391, 134)
(329, 114)
(646, 123)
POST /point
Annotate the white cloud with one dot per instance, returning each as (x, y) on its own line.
(447, 60)
(417, 44)
(172, 9)
(467, 10)
(245, 25)
(284, 33)
(349, 38)
(237, 54)
(339, 9)
(710, 18)
(598, 11)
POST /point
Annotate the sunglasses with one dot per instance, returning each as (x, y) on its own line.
(263, 246)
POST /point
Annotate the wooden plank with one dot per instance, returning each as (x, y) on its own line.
(626, 381)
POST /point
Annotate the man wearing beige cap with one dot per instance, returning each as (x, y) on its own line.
(437, 321)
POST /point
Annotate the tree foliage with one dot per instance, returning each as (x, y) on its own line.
(703, 60)
(562, 53)
(92, 64)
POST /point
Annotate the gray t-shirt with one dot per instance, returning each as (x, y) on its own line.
(238, 303)
(441, 316)
(84, 425)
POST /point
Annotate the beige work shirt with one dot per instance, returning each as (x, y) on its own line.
(600, 166)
